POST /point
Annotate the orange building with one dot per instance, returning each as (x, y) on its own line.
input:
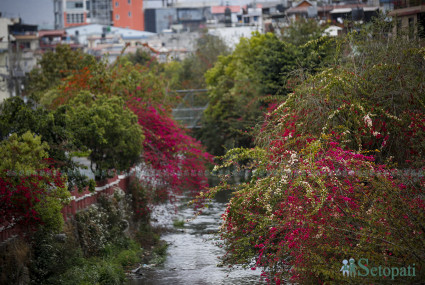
(128, 14)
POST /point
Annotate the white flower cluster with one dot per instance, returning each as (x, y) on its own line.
(368, 120)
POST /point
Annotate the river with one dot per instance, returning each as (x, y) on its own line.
(192, 254)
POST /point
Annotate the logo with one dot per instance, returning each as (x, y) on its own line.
(362, 269)
(348, 269)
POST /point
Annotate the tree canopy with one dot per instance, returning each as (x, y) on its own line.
(108, 130)
(243, 84)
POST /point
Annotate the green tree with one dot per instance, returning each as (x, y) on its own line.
(207, 50)
(237, 83)
(52, 126)
(302, 31)
(106, 128)
(23, 154)
(142, 57)
(54, 66)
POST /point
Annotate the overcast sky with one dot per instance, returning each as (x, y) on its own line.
(37, 12)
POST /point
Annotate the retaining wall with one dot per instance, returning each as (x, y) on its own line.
(79, 201)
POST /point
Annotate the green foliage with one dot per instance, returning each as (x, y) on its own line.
(142, 57)
(52, 126)
(128, 257)
(92, 250)
(52, 256)
(192, 69)
(54, 66)
(101, 226)
(326, 184)
(159, 253)
(302, 31)
(178, 223)
(18, 117)
(261, 71)
(258, 67)
(23, 154)
(99, 271)
(108, 130)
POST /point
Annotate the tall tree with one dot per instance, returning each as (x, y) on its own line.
(108, 130)
(55, 66)
(237, 83)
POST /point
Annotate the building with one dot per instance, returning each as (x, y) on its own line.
(4, 57)
(19, 45)
(119, 13)
(218, 13)
(100, 12)
(70, 13)
(409, 16)
(49, 39)
(128, 14)
(332, 13)
(92, 31)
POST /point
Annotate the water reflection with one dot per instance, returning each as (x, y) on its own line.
(192, 255)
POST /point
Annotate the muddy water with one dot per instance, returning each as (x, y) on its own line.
(192, 255)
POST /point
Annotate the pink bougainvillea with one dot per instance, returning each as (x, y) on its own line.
(178, 161)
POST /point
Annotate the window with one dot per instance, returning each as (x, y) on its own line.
(116, 4)
(411, 28)
(75, 18)
(117, 17)
(74, 5)
(25, 45)
(129, 1)
(129, 14)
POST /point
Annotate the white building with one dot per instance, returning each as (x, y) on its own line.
(83, 33)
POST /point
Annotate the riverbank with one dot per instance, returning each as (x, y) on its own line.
(99, 246)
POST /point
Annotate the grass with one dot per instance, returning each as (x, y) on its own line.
(178, 223)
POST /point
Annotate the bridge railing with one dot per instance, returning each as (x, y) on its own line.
(189, 112)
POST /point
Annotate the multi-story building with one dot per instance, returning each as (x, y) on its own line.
(4, 57)
(128, 14)
(118, 13)
(18, 45)
(100, 12)
(410, 17)
(70, 13)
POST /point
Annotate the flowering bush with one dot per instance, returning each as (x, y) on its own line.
(329, 178)
(318, 206)
(31, 194)
(33, 200)
(171, 156)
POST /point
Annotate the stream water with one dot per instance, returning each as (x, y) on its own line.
(192, 254)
